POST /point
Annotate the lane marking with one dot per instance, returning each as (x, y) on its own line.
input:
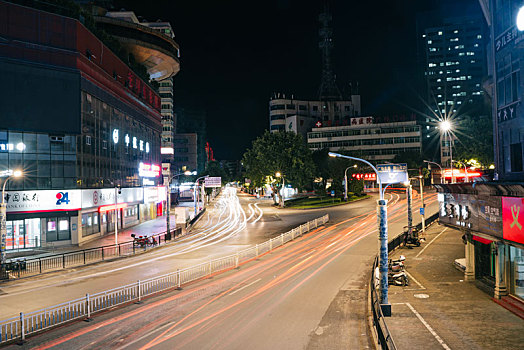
(413, 278)
(439, 339)
(247, 285)
(437, 236)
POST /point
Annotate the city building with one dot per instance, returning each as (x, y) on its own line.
(82, 126)
(453, 51)
(369, 138)
(192, 120)
(506, 52)
(151, 44)
(186, 157)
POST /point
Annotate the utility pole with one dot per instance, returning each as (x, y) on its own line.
(423, 214)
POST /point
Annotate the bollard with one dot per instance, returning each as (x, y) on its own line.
(139, 293)
(88, 308)
(270, 244)
(178, 279)
(282, 239)
(22, 329)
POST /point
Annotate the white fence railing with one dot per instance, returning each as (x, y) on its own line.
(19, 327)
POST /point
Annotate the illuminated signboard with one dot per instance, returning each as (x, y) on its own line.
(366, 176)
(460, 173)
(513, 219)
(148, 170)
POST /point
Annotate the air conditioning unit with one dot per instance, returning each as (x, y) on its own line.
(56, 138)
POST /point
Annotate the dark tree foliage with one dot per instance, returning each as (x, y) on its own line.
(474, 139)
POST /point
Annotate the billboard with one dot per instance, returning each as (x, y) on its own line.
(212, 182)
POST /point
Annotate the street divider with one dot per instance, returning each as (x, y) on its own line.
(17, 328)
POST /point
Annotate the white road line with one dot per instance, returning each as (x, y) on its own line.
(247, 285)
(437, 236)
(413, 278)
(439, 339)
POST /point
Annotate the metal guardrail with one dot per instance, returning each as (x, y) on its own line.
(384, 337)
(17, 328)
(18, 268)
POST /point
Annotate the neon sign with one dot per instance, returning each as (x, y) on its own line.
(148, 170)
(458, 173)
(366, 176)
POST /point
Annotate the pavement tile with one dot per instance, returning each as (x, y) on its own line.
(458, 313)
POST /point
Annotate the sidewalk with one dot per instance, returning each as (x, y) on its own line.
(146, 228)
(439, 309)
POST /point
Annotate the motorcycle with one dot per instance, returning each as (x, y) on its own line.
(411, 237)
(398, 278)
(396, 265)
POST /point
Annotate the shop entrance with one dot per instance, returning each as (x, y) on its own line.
(23, 234)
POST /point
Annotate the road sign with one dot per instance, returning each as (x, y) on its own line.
(392, 173)
(421, 211)
(212, 182)
(333, 193)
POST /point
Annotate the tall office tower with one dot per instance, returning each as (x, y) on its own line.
(454, 60)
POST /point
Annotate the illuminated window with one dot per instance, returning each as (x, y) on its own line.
(439, 33)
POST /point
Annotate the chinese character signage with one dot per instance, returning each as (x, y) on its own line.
(458, 210)
(506, 38)
(212, 182)
(490, 215)
(513, 219)
(361, 121)
(507, 113)
(48, 200)
(392, 173)
(366, 176)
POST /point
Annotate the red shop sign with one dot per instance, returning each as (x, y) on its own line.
(513, 219)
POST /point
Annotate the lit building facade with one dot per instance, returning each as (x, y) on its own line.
(369, 140)
(91, 124)
(300, 116)
(186, 155)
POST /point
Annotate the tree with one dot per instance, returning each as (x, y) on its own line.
(283, 152)
(474, 139)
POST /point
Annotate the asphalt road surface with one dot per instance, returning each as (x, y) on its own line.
(308, 294)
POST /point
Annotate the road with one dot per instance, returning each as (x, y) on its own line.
(308, 294)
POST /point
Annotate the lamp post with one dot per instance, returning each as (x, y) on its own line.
(441, 172)
(3, 217)
(168, 198)
(445, 126)
(382, 221)
(346, 182)
(195, 191)
(278, 174)
(116, 215)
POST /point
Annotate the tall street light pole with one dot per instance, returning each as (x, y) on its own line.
(382, 221)
(168, 199)
(346, 182)
(3, 217)
(442, 179)
(445, 127)
(195, 191)
(278, 174)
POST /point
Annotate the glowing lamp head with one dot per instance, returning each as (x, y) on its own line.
(331, 154)
(445, 125)
(406, 183)
(187, 172)
(278, 174)
(520, 19)
(17, 173)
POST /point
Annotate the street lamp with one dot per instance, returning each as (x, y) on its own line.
(3, 216)
(195, 191)
(520, 19)
(278, 174)
(446, 126)
(168, 198)
(382, 221)
(346, 182)
(441, 173)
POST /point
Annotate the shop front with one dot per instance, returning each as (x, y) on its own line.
(98, 216)
(493, 226)
(41, 218)
(154, 201)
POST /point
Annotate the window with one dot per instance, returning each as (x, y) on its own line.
(276, 107)
(516, 157)
(88, 140)
(315, 108)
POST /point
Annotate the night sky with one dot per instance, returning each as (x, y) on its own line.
(235, 54)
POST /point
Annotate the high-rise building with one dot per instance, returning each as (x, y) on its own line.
(454, 61)
(506, 53)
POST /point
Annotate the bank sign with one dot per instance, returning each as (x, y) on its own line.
(48, 200)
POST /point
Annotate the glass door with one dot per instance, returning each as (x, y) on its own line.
(18, 234)
(32, 233)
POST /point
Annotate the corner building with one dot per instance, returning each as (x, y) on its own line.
(78, 122)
